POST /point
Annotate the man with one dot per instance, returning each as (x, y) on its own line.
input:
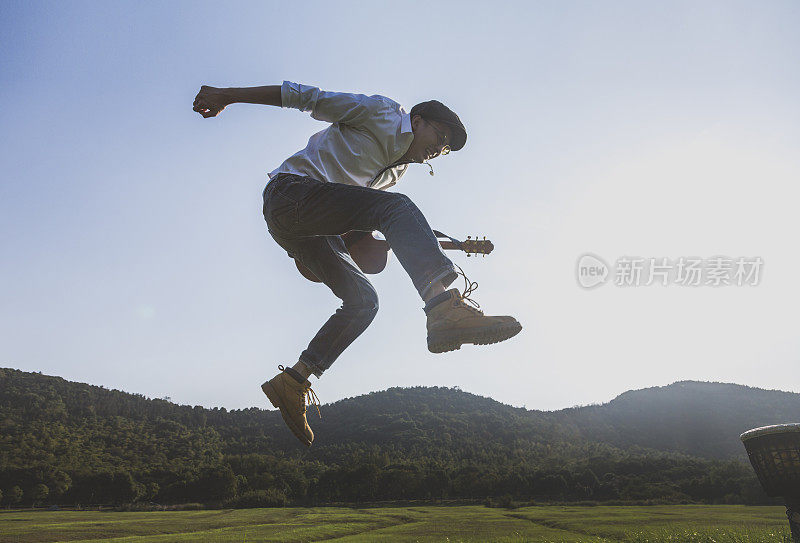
(335, 185)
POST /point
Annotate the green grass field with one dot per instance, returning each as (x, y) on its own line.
(684, 523)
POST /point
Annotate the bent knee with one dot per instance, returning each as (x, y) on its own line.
(365, 307)
(401, 198)
(400, 204)
(369, 306)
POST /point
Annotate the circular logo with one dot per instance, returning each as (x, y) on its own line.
(591, 271)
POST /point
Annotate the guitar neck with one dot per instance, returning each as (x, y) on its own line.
(445, 244)
(470, 246)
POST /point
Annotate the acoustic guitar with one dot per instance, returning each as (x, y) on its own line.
(371, 253)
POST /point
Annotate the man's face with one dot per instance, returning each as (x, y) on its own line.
(431, 138)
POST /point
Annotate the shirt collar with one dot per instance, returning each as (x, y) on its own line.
(405, 138)
(405, 123)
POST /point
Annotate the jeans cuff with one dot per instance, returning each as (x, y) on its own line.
(445, 275)
(316, 370)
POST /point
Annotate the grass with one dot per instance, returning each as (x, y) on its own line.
(478, 524)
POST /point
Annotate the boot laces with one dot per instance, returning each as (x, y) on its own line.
(306, 397)
(469, 288)
(311, 397)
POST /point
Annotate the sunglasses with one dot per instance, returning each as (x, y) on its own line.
(442, 140)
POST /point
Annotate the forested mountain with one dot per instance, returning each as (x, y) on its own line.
(71, 443)
(690, 417)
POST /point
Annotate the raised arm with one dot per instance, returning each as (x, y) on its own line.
(210, 101)
(332, 107)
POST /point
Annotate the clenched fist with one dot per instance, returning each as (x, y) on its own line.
(210, 101)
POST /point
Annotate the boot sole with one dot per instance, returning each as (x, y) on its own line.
(443, 342)
(274, 399)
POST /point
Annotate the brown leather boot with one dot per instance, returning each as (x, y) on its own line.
(289, 395)
(453, 322)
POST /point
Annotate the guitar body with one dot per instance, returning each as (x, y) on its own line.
(371, 254)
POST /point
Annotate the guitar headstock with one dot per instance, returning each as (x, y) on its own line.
(477, 246)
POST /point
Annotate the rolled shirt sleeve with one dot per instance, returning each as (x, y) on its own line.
(332, 107)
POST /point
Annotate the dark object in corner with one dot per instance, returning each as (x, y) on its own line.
(774, 452)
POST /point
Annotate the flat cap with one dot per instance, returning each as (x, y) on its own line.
(433, 110)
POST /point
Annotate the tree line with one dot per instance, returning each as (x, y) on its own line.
(74, 444)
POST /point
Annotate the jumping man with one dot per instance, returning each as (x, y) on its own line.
(336, 185)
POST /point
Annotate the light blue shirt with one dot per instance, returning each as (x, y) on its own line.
(367, 134)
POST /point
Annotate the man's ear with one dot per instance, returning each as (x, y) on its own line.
(415, 120)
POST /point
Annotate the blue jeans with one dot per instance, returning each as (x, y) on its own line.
(307, 217)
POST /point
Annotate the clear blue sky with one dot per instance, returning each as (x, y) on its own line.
(134, 254)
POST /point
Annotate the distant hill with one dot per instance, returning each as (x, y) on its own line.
(690, 417)
(88, 444)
